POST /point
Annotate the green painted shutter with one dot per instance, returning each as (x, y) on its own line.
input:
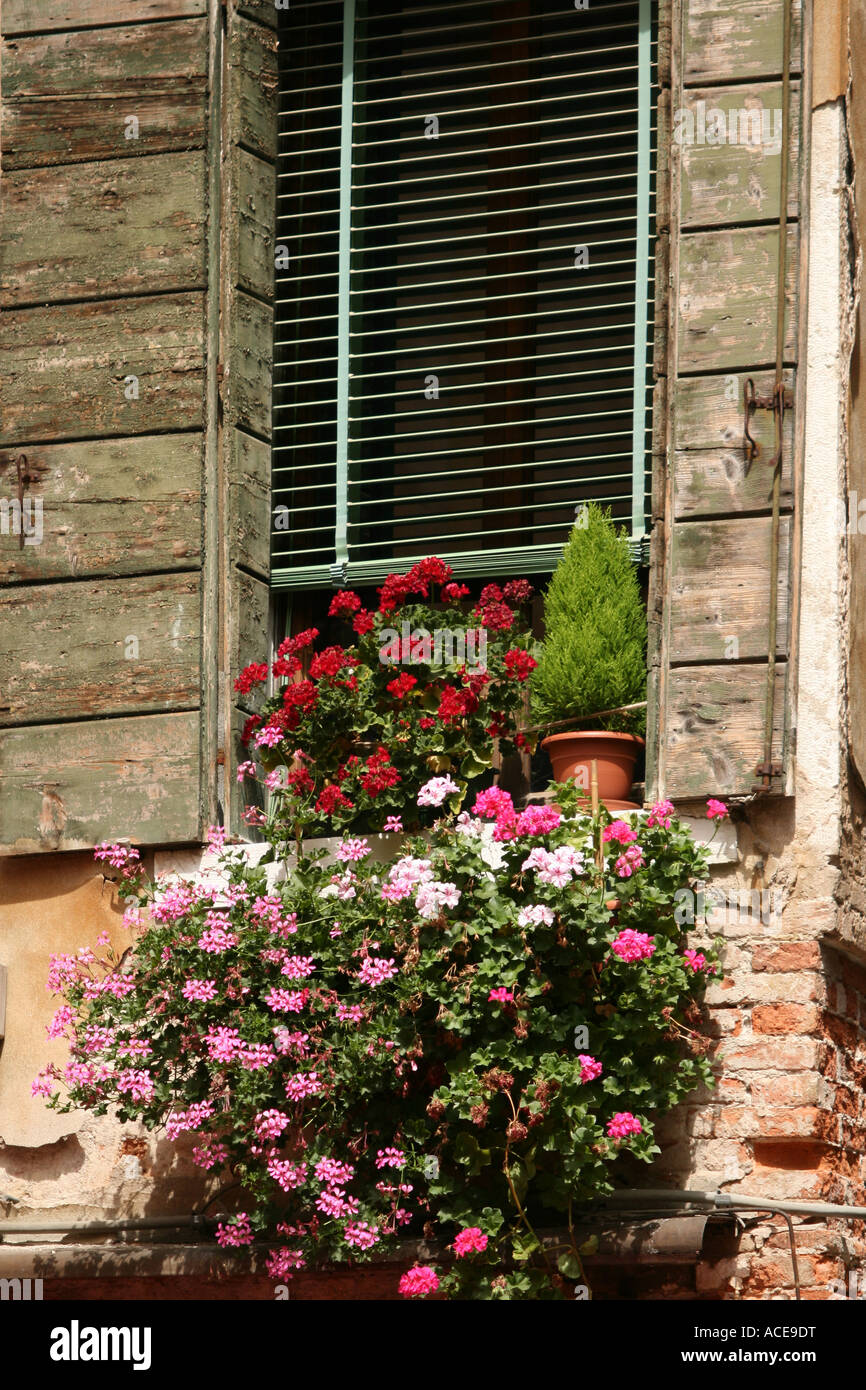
(448, 378)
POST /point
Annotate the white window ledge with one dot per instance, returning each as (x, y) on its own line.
(203, 864)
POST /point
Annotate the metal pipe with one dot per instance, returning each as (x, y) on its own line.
(730, 1201)
(778, 405)
(629, 1197)
(96, 1228)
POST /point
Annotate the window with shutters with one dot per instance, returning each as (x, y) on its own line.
(464, 282)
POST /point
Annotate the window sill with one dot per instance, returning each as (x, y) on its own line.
(203, 864)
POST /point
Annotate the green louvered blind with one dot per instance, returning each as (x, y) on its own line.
(464, 282)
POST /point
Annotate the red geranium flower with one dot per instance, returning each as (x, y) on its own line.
(286, 666)
(517, 591)
(497, 616)
(256, 674)
(364, 622)
(518, 664)
(491, 593)
(434, 570)
(290, 646)
(401, 685)
(330, 798)
(330, 662)
(344, 603)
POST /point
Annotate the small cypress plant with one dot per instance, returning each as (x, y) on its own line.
(593, 655)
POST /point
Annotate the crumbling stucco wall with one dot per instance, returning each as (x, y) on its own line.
(73, 1166)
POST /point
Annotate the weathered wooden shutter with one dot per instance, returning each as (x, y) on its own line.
(713, 505)
(135, 411)
(450, 375)
(102, 363)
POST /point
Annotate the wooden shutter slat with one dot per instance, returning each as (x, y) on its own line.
(72, 785)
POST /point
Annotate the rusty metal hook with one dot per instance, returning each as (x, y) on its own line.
(750, 445)
(23, 479)
(779, 403)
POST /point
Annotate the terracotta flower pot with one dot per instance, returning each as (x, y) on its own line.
(572, 753)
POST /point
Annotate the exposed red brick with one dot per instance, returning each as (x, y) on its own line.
(731, 1120)
(839, 1031)
(792, 1154)
(763, 1276)
(846, 1102)
(799, 1089)
(770, 1054)
(728, 1088)
(827, 1268)
(784, 1018)
(796, 955)
(797, 1121)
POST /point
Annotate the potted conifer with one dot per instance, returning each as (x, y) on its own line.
(593, 661)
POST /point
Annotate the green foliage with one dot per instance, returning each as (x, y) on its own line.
(593, 657)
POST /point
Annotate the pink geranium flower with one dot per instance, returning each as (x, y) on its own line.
(434, 792)
(390, 1158)
(360, 1234)
(716, 810)
(202, 990)
(470, 1240)
(537, 820)
(350, 851)
(622, 1125)
(419, 1281)
(660, 814)
(629, 862)
(494, 802)
(590, 1069)
(269, 1124)
(237, 1231)
(280, 1263)
(620, 831)
(633, 945)
(698, 961)
(375, 971)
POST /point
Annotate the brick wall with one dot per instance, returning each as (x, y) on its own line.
(786, 1118)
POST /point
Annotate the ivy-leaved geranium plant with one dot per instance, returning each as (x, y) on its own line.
(354, 732)
(458, 1044)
